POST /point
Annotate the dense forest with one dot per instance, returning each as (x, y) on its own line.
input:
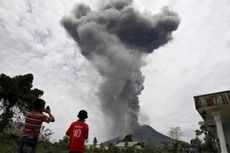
(17, 95)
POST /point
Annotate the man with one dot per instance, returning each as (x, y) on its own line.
(78, 133)
(33, 122)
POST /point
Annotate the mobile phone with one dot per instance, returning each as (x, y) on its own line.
(48, 107)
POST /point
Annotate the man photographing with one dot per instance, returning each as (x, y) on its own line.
(33, 123)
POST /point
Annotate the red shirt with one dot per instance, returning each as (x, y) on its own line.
(78, 133)
(33, 123)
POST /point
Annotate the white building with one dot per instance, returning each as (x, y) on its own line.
(125, 145)
(214, 108)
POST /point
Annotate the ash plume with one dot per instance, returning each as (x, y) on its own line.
(114, 39)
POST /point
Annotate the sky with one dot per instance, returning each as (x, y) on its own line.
(196, 61)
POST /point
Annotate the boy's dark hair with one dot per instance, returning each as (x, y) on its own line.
(39, 104)
(82, 115)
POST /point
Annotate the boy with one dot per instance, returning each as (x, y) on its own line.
(33, 122)
(78, 133)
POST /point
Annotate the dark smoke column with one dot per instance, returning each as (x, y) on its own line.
(114, 39)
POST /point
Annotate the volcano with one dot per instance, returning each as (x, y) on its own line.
(145, 134)
(148, 135)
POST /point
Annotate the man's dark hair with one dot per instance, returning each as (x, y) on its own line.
(82, 115)
(39, 104)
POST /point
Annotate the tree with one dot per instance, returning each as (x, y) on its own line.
(175, 133)
(128, 138)
(94, 141)
(196, 141)
(45, 134)
(209, 137)
(16, 97)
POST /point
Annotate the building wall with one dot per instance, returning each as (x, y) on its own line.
(226, 128)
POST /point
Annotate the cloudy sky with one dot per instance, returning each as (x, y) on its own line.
(195, 62)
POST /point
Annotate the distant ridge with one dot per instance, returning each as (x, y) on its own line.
(145, 134)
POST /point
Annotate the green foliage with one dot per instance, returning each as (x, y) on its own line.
(175, 147)
(45, 134)
(128, 138)
(16, 97)
(49, 147)
(8, 143)
(209, 143)
(196, 141)
(175, 133)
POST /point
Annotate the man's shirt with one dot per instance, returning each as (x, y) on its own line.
(78, 133)
(33, 123)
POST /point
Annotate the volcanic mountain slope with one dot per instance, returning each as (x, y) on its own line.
(145, 134)
(148, 135)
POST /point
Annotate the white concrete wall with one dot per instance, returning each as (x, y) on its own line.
(226, 128)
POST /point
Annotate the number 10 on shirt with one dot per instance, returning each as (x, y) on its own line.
(77, 133)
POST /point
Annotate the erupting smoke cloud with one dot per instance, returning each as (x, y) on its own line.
(114, 39)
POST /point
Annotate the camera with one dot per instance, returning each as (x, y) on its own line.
(47, 107)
